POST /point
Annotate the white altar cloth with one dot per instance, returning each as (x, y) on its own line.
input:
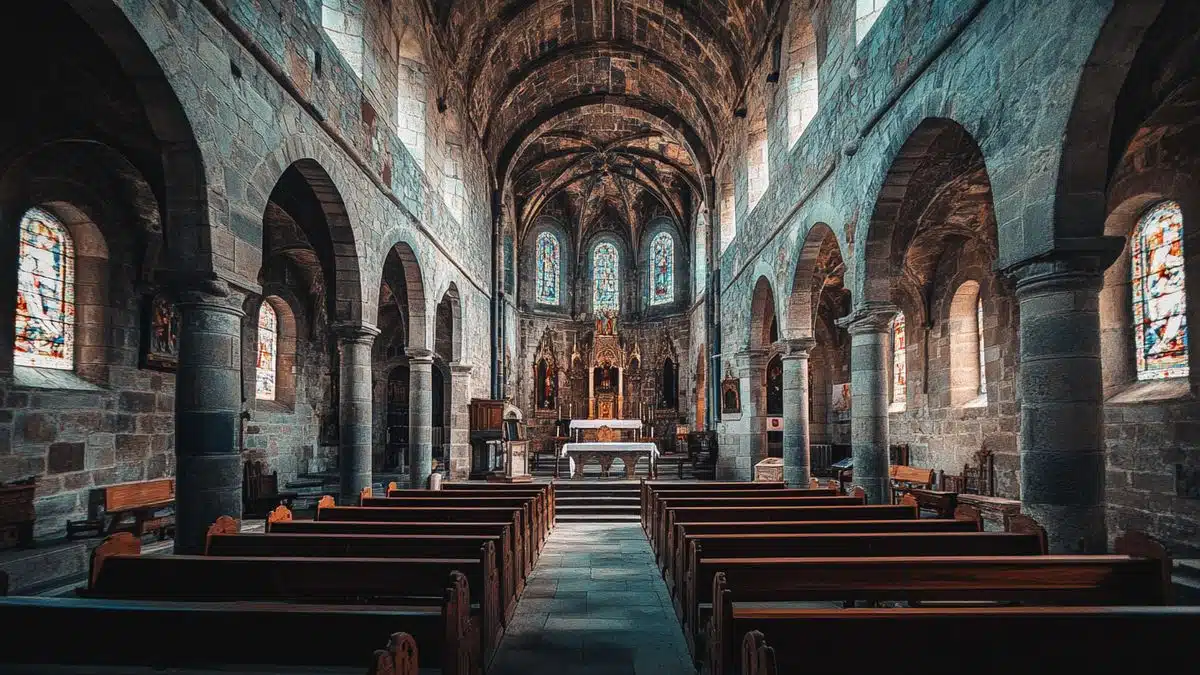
(569, 450)
(611, 424)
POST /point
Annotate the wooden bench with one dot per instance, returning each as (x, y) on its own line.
(906, 478)
(96, 633)
(707, 514)
(658, 499)
(120, 572)
(1041, 580)
(546, 489)
(142, 501)
(529, 511)
(1064, 639)
(225, 540)
(784, 510)
(441, 514)
(282, 522)
(649, 487)
(260, 491)
(806, 497)
(696, 576)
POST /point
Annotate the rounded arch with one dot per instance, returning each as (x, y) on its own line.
(966, 378)
(313, 161)
(528, 288)
(938, 162)
(820, 255)
(403, 261)
(762, 314)
(187, 212)
(448, 329)
(282, 356)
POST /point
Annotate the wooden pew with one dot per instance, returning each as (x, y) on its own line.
(659, 499)
(530, 513)
(648, 487)
(1063, 639)
(1041, 580)
(283, 523)
(546, 489)
(117, 574)
(140, 500)
(696, 576)
(662, 505)
(684, 531)
(224, 539)
(97, 633)
(441, 514)
(741, 508)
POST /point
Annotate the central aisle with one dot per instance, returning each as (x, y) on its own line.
(594, 604)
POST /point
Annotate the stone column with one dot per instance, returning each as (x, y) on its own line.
(1061, 393)
(869, 328)
(460, 423)
(208, 405)
(420, 417)
(354, 416)
(797, 467)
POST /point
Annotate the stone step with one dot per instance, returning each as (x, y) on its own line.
(597, 518)
(611, 500)
(596, 509)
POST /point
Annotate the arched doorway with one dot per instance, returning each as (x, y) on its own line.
(774, 384)
(396, 449)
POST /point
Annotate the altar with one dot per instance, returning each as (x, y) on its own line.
(604, 453)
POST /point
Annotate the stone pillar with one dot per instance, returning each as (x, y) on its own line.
(797, 467)
(208, 405)
(1060, 391)
(460, 422)
(869, 328)
(420, 417)
(354, 416)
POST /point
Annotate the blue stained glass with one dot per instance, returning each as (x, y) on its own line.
(662, 269)
(606, 287)
(547, 269)
(1159, 302)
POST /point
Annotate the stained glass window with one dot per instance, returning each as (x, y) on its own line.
(1160, 323)
(899, 362)
(662, 269)
(606, 287)
(982, 361)
(45, 318)
(547, 269)
(268, 348)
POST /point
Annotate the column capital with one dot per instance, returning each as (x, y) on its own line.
(460, 368)
(1077, 261)
(419, 355)
(797, 348)
(355, 333)
(211, 293)
(869, 317)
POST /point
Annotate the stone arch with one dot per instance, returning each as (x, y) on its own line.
(419, 335)
(965, 380)
(448, 327)
(1083, 169)
(762, 314)
(311, 160)
(187, 212)
(282, 302)
(820, 243)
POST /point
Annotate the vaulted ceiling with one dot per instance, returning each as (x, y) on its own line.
(613, 105)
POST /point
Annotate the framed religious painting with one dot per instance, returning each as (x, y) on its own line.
(160, 342)
(731, 396)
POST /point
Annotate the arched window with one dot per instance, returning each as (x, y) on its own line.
(268, 350)
(758, 172)
(548, 252)
(606, 285)
(411, 96)
(45, 318)
(662, 269)
(1159, 303)
(982, 357)
(866, 13)
(728, 212)
(802, 79)
(967, 385)
(899, 361)
(343, 23)
(700, 267)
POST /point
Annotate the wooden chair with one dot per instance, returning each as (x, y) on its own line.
(260, 490)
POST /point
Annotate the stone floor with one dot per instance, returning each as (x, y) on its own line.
(594, 604)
